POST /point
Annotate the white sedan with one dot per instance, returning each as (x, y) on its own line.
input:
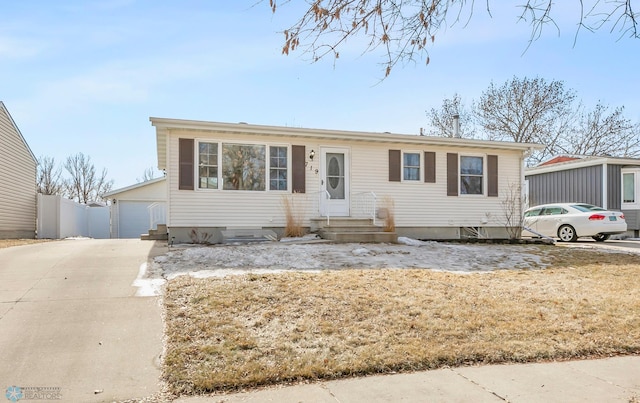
(570, 221)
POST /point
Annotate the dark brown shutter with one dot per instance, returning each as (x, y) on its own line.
(394, 166)
(492, 168)
(430, 167)
(185, 164)
(298, 171)
(452, 174)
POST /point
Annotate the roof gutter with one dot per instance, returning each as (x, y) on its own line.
(163, 124)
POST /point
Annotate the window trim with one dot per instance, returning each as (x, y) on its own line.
(220, 142)
(635, 172)
(420, 177)
(287, 147)
(196, 164)
(484, 175)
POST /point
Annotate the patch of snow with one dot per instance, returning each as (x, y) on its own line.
(275, 257)
(147, 287)
(360, 252)
(308, 237)
(410, 241)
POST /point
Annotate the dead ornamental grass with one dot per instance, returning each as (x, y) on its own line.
(257, 330)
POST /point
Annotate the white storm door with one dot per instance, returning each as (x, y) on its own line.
(334, 182)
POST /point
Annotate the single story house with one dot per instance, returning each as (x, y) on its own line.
(138, 208)
(608, 182)
(223, 176)
(18, 170)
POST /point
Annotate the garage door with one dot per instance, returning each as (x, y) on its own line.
(134, 218)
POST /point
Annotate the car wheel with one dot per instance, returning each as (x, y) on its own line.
(601, 237)
(567, 233)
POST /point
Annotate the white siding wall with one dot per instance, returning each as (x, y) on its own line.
(416, 203)
(17, 182)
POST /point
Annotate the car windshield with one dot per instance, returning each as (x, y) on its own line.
(587, 207)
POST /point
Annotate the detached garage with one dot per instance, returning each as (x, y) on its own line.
(138, 208)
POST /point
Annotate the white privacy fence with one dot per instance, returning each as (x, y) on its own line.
(60, 218)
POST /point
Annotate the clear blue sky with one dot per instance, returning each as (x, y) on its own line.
(86, 75)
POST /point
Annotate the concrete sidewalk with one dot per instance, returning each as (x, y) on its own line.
(69, 322)
(605, 380)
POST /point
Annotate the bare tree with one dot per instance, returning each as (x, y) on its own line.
(83, 184)
(527, 111)
(147, 175)
(442, 120)
(404, 28)
(513, 204)
(603, 132)
(49, 180)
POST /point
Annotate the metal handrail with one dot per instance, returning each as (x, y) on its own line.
(373, 205)
(315, 198)
(157, 214)
(328, 212)
(538, 234)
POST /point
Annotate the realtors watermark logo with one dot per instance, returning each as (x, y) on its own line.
(16, 393)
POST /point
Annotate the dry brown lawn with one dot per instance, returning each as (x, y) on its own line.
(7, 243)
(252, 330)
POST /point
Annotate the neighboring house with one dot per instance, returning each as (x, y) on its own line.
(609, 182)
(233, 176)
(138, 208)
(17, 181)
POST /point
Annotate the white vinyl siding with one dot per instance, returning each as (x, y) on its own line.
(428, 204)
(416, 204)
(227, 208)
(17, 182)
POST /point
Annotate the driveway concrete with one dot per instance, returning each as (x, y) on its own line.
(619, 245)
(69, 320)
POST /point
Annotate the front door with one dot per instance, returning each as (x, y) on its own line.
(334, 182)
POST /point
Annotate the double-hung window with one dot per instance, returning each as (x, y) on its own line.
(471, 175)
(207, 165)
(411, 166)
(277, 168)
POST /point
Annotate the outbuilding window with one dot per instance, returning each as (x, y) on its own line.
(628, 187)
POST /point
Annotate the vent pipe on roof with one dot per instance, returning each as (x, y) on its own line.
(456, 126)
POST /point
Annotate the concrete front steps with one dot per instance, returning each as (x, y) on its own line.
(347, 229)
(158, 234)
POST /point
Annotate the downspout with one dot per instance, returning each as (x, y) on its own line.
(524, 195)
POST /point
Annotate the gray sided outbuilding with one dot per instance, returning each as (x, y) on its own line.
(594, 180)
